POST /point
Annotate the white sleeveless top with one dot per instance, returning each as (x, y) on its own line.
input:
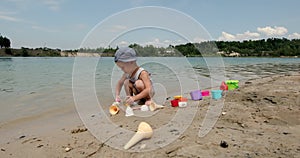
(137, 75)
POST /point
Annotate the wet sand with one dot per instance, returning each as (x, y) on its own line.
(260, 119)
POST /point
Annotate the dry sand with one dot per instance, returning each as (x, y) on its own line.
(260, 119)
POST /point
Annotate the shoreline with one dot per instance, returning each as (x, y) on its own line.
(260, 120)
(70, 55)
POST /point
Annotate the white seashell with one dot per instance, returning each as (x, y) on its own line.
(67, 149)
(143, 146)
(116, 103)
(144, 108)
(153, 106)
(144, 132)
(129, 111)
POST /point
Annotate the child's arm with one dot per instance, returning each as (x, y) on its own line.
(119, 87)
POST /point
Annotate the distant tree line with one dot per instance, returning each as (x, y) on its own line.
(30, 52)
(271, 47)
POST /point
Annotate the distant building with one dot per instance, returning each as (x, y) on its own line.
(234, 54)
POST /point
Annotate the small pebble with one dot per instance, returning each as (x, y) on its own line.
(143, 146)
(67, 149)
(223, 144)
(2, 149)
(78, 130)
(260, 134)
(39, 146)
(223, 113)
(22, 137)
(266, 121)
(285, 133)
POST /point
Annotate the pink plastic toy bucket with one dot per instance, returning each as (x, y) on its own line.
(205, 93)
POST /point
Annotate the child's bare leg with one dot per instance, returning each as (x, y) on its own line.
(149, 100)
(139, 85)
(128, 87)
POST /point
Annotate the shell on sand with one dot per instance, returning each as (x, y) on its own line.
(113, 109)
(144, 132)
(153, 106)
(129, 111)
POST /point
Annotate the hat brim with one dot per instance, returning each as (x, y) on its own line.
(127, 60)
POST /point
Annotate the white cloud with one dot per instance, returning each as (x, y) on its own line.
(198, 40)
(248, 35)
(53, 4)
(156, 42)
(295, 35)
(117, 28)
(123, 44)
(44, 29)
(227, 37)
(167, 41)
(159, 43)
(239, 37)
(9, 18)
(269, 31)
(7, 12)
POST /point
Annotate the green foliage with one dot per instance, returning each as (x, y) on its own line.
(8, 51)
(4, 42)
(24, 52)
(274, 47)
(188, 49)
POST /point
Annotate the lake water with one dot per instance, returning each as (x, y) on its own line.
(33, 85)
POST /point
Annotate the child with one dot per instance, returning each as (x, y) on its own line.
(137, 83)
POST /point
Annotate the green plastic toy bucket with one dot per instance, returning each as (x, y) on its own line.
(232, 84)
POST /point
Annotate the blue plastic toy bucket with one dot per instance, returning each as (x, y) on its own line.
(216, 94)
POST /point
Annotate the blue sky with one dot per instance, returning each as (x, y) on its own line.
(67, 24)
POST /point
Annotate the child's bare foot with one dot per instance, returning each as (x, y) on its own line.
(148, 102)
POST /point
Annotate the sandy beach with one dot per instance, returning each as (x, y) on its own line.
(259, 119)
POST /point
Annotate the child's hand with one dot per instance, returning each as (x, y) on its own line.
(129, 100)
(118, 99)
